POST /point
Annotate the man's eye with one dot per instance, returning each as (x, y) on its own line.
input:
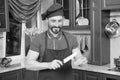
(52, 20)
(60, 21)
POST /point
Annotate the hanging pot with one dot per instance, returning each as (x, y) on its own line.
(111, 29)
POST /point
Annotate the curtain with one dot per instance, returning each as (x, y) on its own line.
(24, 10)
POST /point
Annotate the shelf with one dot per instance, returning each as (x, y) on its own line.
(114, 15)
(80, 32)
(77, 27)
(85, 8)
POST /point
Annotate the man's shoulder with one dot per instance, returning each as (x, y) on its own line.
(71, 39)
(40, 36)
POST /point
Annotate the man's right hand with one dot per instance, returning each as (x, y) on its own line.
(55, 64)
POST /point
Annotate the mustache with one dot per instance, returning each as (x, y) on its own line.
(55, 29)
(56, 26)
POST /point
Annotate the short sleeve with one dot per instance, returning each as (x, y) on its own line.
(35, 44)
(72, 40)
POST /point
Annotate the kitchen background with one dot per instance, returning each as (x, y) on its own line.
(81, 37)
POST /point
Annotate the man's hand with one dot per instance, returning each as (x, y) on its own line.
(55, 64)
(81, 61)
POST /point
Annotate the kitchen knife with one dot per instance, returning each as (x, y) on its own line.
(65, 60)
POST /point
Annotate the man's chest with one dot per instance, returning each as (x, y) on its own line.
(56, 43)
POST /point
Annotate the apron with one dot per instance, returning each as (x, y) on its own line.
(63, 73)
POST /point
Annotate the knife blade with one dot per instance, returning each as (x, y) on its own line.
(65, 60)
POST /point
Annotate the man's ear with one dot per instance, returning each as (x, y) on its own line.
(47, 20)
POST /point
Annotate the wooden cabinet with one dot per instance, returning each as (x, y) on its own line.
(77, 75)
(30, 75)
(98, 14)
(80, 14)
(110, 77)
(4, 20)
(100, 17)
(86, 75)
(110, 4)
(0, 77)
(100, 44)
(76, 11)
(12, 75)
(92, 76)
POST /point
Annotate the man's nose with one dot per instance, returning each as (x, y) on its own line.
(57, 25)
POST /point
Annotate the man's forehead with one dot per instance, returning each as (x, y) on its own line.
(56, 17)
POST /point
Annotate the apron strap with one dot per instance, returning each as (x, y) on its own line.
(68, 46)
(45, 41)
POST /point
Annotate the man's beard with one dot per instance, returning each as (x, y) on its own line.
(55, 29)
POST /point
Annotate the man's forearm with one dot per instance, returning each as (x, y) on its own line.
(35, 65)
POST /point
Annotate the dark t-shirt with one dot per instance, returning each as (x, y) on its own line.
(38, 43)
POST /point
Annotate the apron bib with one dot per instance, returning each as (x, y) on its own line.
(63, 73)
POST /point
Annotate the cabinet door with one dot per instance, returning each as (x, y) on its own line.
(0, 77)
(81, 14)
(4, 20)
(12, 75)
(77, 14)
(110, 4)
(77, 75)
(92, 76)
(100, 44)
(30, 75)
(110, 77)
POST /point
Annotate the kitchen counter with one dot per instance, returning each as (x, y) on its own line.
(15, 65)
(19, 64)
(95, 68)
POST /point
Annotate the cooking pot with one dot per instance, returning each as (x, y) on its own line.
(111, 29)
(5, 62)
(117, 63)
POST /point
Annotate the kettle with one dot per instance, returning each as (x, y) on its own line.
(117, 63)
(111, 29)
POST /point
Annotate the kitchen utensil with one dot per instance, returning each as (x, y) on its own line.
(77, 7)
(69, 58)
(81, 46)
(5, 62)
(86, 44)
(111, 29)
(117, 63)
(82, 20)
